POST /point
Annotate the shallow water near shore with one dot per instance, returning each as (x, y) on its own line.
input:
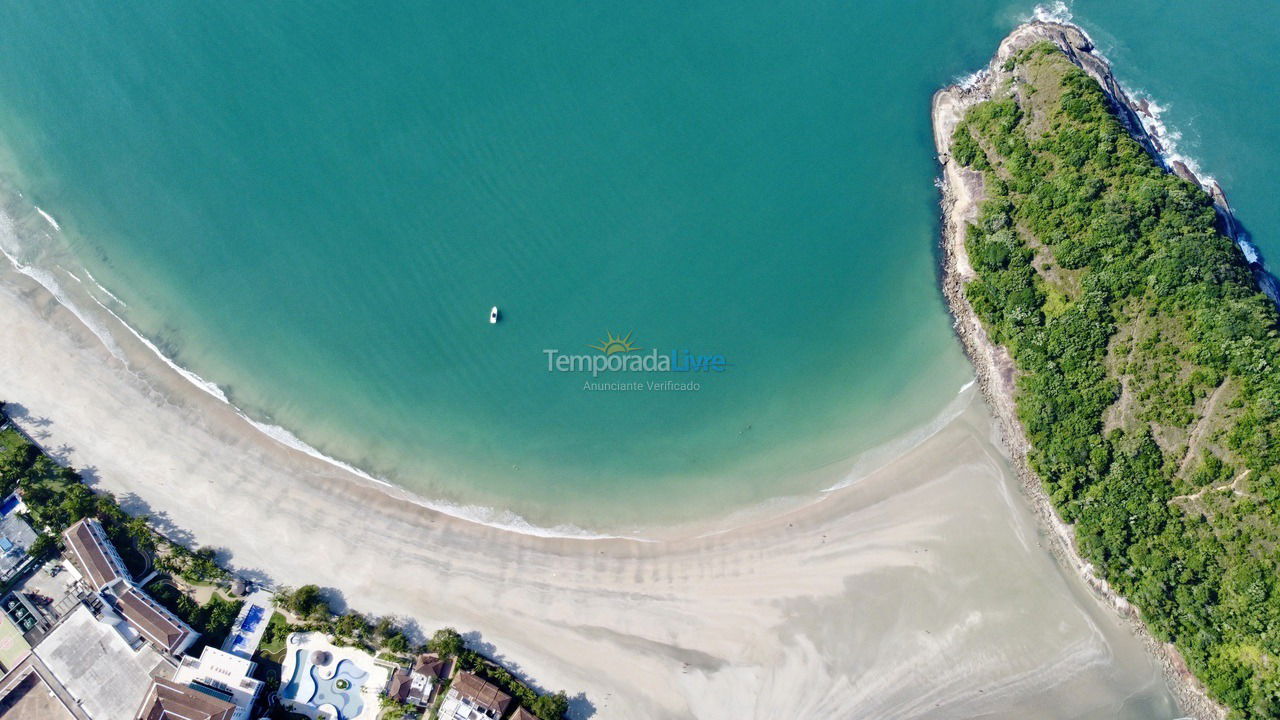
(916, 590)
(313, 207)
(923, 590)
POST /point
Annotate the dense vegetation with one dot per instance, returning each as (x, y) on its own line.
(213, 620)
(1146, 361)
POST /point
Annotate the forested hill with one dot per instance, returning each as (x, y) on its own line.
(1146, 362)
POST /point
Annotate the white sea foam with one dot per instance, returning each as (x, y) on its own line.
(972, 79)
(1250, 251)
(481, 515)
(189, 376)
(103, 288)
(1167, 138)
(49, 218)
(50, 283)
(1058, 12)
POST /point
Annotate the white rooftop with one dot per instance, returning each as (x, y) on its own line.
(456, 707)
(97, 665)
(222, 671)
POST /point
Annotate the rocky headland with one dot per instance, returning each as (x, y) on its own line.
(962, 195)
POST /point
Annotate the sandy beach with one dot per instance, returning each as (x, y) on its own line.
(922, 590)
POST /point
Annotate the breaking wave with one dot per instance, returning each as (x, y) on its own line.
(1059, 12)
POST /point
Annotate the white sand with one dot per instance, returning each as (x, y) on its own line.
(919, 591)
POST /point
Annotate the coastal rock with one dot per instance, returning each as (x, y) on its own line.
(1180, 169)
(961, 196)
(1219, 197)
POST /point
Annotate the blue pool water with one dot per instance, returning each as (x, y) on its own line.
(347, 701)
(251, 619)
(290, 689)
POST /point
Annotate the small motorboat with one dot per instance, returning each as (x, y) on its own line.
(493, 315)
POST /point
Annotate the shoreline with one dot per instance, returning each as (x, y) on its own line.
(142, 357)
(961, 198)
(149, 363)
(849, 601)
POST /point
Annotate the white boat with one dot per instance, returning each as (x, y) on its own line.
(493, 315)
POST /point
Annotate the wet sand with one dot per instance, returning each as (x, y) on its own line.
(921, 590)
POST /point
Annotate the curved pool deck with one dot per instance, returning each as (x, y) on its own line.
(348, 702)
(311, 688)
(301, 686)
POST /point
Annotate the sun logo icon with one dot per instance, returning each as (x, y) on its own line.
(615, 344)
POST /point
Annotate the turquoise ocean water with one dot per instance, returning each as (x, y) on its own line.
(314, 204)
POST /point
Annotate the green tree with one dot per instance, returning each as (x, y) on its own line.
(397, 643)
(42, 546)
(1125, 309)
(140, 532)
(445, 642)
(308, 601)
(351, 625)
(551, 707)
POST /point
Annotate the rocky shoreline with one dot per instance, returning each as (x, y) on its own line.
(962, 194)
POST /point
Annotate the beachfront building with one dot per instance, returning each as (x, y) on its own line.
(28, 694)
(15, 537)
(171, 700)
(322, 680)
(115, 597)
(222, 675)
(153, 621)
(416, 685)
(250, 625)
(93, 555)
(99, 669)
(471, 697)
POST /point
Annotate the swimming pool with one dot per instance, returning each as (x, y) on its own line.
(318, 683)
(289, 691)
(252, 618)
(341, 690)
